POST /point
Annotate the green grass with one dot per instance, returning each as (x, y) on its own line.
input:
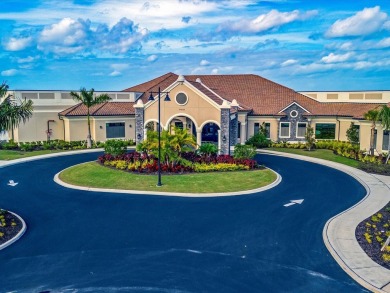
(320, 154)
(8, 155)
(93, 174)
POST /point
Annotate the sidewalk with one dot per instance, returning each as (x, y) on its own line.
(339, 231)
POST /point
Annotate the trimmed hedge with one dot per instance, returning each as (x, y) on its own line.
(53, 145)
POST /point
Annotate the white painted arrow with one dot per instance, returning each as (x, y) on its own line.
(293, 202)
(12, 183)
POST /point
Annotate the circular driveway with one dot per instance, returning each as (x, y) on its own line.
(101, 242)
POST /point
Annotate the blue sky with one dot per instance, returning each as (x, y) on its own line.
(115, 44)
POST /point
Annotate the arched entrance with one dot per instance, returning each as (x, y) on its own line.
(182, 122)
(210, 133)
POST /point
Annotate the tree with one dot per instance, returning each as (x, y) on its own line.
(353, 134)
(384, 116)
(172, 145)
(11, 112)
(373, 116)
(88, 99)
(309, 136)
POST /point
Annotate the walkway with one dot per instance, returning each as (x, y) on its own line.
(339, 232)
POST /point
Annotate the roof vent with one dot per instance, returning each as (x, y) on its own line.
(198, 80)
(181, 78)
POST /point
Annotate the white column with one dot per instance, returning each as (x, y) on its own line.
(145, 133)
(199, 136)
(243, 133)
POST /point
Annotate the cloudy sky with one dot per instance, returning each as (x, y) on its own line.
(114, 44)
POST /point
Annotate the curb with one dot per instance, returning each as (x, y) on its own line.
(39, 157)
(180, 194)
(17, 236)
(339, 231)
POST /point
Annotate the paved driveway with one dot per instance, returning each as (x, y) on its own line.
(101, 242)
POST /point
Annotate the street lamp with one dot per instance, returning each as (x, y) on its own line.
(166, 99)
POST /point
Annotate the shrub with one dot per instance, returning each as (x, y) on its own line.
(259, 140)
(221, 167)
(375, 168)
(10, 145)
(115, 147)
(244, 151)
(208, 149)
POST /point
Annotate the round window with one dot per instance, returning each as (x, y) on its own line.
(294, 113)
(181, 98)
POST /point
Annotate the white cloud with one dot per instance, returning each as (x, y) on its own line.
(28, 59)
(289, 62)
(385, 43)
(264, 22)
(119, 66)
(204, 63)
(215, 71)
(335, 58)
(115, 73)
(364, 22)
(152, 58)
(70, 36)
(18, 44)
(9, 72)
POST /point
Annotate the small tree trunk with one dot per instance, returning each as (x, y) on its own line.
(372, 140)
(89, 141)
(388, 150)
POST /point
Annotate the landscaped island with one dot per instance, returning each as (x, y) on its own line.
(10, 226)
(184, 169)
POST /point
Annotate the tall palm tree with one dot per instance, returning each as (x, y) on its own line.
(384, 116)
(373, 116)
(88, 99)
(11, 112)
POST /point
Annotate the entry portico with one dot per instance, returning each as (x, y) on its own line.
(192, 109)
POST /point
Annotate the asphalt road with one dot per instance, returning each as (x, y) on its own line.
(80, 241)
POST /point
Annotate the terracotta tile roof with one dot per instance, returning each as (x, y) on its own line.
(104, 109)
(255, 93)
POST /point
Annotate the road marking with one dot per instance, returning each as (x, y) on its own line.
(12, 183)
(293, 202)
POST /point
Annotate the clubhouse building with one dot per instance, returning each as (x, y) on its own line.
(223, 109)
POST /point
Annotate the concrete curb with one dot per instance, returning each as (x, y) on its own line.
(59, 154)
(17, 236)
(273, 184)
(339, 231)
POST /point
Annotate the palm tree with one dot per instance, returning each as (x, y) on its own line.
(384, 116)
(88, 99)
(373, 116)
(12, 113)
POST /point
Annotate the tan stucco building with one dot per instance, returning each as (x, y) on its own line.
(223, 109)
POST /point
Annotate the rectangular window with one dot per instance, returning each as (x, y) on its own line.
(284, 129)
(375, 137)
(385, 144)
(301, 129)
(325, 131)
(256, 128)
(115, 130)
(238, 129)
(268, 129)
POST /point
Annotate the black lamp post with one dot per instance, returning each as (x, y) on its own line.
(166, 99)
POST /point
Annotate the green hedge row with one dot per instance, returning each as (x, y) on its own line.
(54, 145)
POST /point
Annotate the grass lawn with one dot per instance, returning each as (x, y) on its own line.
(320, 154)
(12, 155)
(93, 174)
